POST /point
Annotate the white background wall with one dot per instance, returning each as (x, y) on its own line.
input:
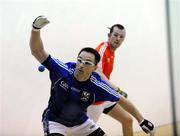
(174, 10)
(141, 66)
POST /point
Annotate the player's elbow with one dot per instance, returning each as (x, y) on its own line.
(39, 55)
(35, 53)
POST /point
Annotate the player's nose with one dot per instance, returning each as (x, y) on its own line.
(81, 65)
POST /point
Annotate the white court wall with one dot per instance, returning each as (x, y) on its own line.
(141, 65)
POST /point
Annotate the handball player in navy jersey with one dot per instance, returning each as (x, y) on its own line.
(74, 87)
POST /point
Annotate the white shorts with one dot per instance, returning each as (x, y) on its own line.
(80, 130)
(94, 111)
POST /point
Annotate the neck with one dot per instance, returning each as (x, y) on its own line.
(111, 47)
(81, 78)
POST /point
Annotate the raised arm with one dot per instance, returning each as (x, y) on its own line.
(36, 44)
(146, 125)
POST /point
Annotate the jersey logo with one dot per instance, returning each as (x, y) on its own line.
(64, 85)
(85, 96)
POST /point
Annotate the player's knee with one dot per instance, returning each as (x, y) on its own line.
(98, 132)
(127, 120)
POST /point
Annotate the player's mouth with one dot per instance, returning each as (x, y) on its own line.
(117, 43)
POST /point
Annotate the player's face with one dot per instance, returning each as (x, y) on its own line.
(85, 65)
(116, 38)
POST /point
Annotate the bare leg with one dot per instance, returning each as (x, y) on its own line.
(124, 118)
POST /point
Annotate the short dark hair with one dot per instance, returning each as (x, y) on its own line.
(93, 51)
(116, 25)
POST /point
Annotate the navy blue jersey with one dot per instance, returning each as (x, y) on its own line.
(69, 97)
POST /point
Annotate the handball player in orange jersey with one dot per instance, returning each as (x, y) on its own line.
(107, 52)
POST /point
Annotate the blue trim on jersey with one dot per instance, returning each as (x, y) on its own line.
(61, 64)
(70, 98)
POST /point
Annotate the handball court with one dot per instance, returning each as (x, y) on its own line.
(142, 64)
(112, 128)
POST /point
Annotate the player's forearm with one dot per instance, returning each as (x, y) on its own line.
(36, 46)
(129, 107)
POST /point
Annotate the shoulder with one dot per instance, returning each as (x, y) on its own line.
(96, 75)
(101, 86)
(102, 48)
(97, 80)
(54, 65)
(71, 67)
(71, 64)
(101, 45)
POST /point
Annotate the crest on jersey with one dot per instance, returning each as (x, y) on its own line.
(85, 96)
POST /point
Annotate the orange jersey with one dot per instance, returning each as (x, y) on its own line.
(107, 61)
(107, 58)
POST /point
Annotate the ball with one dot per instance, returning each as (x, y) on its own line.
(41, 68)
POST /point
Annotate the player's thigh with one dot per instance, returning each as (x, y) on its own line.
(118, 113)
(84, 129)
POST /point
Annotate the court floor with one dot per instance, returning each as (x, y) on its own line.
(165, 130)
(112, 128)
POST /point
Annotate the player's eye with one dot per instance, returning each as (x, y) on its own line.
(121, 36)
(79, 60)
(115, 35)
(88, 63)
(85, 62)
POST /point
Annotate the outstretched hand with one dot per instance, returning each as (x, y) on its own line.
(122, 93)
(147, 127)
(39, 23)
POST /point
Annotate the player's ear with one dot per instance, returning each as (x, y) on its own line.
(95, 67)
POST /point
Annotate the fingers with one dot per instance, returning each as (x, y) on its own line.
(40, 22)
